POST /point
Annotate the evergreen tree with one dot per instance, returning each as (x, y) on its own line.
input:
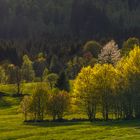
(54, 65)
(63, 82)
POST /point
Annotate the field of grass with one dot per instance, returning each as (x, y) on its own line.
(12, 127)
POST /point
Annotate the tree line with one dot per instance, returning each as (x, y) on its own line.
(111, 87)
(107, 81)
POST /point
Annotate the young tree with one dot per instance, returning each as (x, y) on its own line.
(51, 79)
(39, 102)
(58, 103)
(110, 53)
(26, 106)
(85, 92)
(28, 73)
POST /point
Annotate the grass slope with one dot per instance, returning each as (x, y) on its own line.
(13, 128)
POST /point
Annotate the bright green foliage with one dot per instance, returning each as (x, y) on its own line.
(84, 91)
(106, 78)
(130, 72)
(96, 86)
(28, 73)
(114, 89)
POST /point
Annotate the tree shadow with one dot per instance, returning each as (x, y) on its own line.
(57, 123)
(102, 123)
(118, 123)
(2, 94)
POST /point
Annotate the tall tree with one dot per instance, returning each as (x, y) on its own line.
(106, 78)
(85, 93)
(130, 72)
(40, 65)
(28, 73)
(63, 82)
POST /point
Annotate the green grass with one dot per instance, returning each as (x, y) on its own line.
(26, 88)
(12, 127)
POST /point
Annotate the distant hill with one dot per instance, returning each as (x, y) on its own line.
(75, 18)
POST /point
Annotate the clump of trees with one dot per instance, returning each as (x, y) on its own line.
(111, 89)
(45, 102)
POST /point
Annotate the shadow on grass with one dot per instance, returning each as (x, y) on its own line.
(49, 123)
(7, 100)
(4, 103)
(110, 123)
(2, 94)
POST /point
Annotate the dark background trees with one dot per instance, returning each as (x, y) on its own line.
(60, 29)
(53, 18)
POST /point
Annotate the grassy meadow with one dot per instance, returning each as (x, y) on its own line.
(12, 126)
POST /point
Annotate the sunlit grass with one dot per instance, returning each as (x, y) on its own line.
(12, 126)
